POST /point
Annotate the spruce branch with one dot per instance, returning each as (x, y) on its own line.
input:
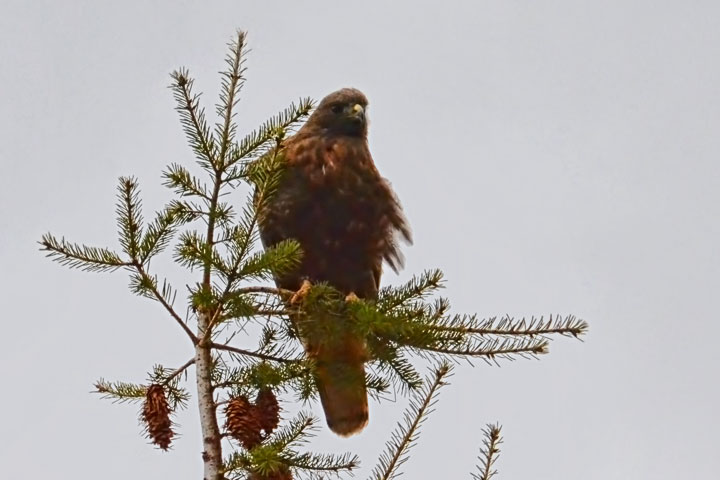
(281, 377)
(238, 240)
(183, 183)
(236, 306)
(399, 370)
(74, 255)
(491, 349)
(242, 237)
(489, 452)
(185, 211)
(295, 433)
(130, 392)
(508, 326)
(257, 143)
(325, 463)
(417, 288)
(406, 433)
(120, 391)
(232, 81)
(129, 216)
(272, 262)
(376, 385)
(192, 118)
(195, 251)
(265, 175)
(248, 353)
(168, 379)
(142, 283)
(158, 234)
(276, 454)
(178, 371)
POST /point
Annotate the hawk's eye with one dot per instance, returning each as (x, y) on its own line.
(337, 108)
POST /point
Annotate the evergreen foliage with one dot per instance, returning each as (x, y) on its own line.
(489, 453)
(407, 322)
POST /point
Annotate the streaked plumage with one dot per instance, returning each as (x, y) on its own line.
(345, 216)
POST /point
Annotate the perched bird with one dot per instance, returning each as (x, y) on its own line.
(334, 203)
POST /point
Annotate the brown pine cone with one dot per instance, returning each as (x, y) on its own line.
(241, 421)
(268, 410)
(156, 415)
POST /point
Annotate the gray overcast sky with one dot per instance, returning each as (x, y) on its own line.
(552, 157)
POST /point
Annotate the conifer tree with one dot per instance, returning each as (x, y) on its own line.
(244, 435)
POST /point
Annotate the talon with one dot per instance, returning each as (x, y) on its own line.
(351, 297)
(302, 292)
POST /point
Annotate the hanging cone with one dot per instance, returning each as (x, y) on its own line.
(156, 415)
(242, 422)
(268, 410)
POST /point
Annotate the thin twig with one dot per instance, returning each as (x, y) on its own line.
(489, 453)
(236, 78)
(182, 84)
(233, 271)
(536, 349)
(531, 332)
(179, 370)
(508, 327)
(248, 353)
(402, 444)
(141, 270)
(330, 468)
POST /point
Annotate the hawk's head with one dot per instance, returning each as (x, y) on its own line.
(342, 112)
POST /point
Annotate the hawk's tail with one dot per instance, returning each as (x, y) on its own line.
(340, 378)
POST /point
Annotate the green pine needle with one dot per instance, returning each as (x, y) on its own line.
(158, 234)
(177, 396)
(121, 391)
(408, 431)
(183, 183)
(258, 142)
(277, 452)
(295, 433)
(319, 465)
(146, 285)
(489, 452)
(193, 251)
(271, 262)
(129, 216)
(192, 118)
(398, 371)
(74, 255)
(232, 81)
(417, 288)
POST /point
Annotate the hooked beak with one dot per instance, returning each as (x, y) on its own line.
(356, 112)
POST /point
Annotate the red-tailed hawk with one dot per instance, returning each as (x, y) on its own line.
(333, 201)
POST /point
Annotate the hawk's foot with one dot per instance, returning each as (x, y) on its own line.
(302, 292)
